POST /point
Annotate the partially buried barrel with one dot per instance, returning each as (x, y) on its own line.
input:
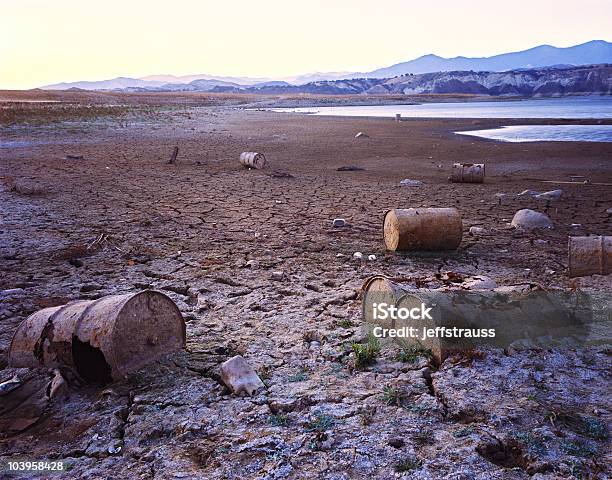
(468, 173)
(252, 160)
(590, 255)
(422, 229)
(102, 340)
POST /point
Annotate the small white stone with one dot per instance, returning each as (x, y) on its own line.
(527, 219)
(477, 231)
(339, 222)
(240, 377)
(371, 258)
(358, 255)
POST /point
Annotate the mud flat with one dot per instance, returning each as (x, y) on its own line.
(253, 262)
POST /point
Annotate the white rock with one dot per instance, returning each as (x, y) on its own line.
(371, 258)
(361, 135)
(609, 211)
(527, 219)
(240, 377)
(407, 182)
(479, 282)
(339, 222)
(358, 255)
(552, 195)
(531, 193)
(477, 231)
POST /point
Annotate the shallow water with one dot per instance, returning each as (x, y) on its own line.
(574, 107)
(546, 133)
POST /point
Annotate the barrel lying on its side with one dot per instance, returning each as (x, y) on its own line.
(590, 255)
(468, 173)
(422, 229)
(102, 340)
(252, 160)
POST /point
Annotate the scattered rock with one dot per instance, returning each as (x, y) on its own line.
(240, 377)
(339, 222)
(358, 255)
(371, 258)
(477, 231)
(480, 282)
(530, 193)
(361, 135)
(277, 275)
(407, 182)
(527, 219)
(58, 388)
(552, 195)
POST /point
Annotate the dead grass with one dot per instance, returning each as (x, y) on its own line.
(24, 186)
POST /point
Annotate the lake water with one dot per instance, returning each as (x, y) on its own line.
(546, 133)
(574, 107)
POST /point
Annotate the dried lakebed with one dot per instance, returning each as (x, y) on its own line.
(215, 236)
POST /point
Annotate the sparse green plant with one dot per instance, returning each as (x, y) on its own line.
(278, 420)
(582, 449)
(298, 377)
(366, 353)
(424, 436)
(345, 323)
(463, 432)
(393, 396)
(533, 444)
(411, 353)
(407, 464)
(320, 423)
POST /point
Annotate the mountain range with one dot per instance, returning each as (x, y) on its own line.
(593, 52)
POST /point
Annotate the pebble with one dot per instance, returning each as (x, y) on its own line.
(361, 135)
(339, 222)
(477, 231)
(407, 182)
(358, 255)
(371, 258)
(277, 275)
(240, 377)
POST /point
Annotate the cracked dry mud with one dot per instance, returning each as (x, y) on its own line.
(213, 236)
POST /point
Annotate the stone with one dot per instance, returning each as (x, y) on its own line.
(339, 222)
(371, 258)
(361, 135)
(527, 219)
(240, 377)
(552, 195)
(407, 182)
(477, 231)
(277, 275)
(358, 255)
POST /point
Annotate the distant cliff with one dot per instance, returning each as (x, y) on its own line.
(592, 79)
(547, 82)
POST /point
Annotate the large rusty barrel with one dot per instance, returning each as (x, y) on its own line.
(101, 340)
(422, 229)
(468, 173)
(252, 160)
(590, 255)
(451, 319)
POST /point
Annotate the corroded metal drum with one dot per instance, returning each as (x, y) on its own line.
(422, 229)
(252, 160)
(468, 173)
(590, 255)
(102, 340)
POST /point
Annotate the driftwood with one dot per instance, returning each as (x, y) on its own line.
(172, 160)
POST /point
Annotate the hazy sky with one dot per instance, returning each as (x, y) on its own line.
(49, 41)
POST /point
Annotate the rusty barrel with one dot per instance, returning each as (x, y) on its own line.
(500, 317)
(252, 160)
(103, 339)
(422, 229)
(590, 255)
(468, 173)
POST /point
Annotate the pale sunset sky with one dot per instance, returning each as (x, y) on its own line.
(51, 41)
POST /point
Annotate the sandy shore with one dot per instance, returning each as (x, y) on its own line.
(190, 229)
